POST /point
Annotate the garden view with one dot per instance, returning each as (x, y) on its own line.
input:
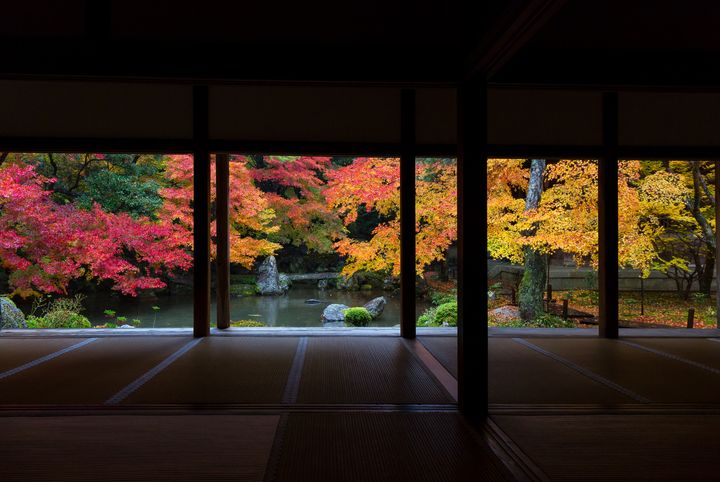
(543, 241)
(105, 240)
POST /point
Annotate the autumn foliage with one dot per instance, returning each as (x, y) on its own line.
(127, 221)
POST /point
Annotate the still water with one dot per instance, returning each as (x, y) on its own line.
(285, 310)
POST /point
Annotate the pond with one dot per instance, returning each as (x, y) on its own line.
(286, 310)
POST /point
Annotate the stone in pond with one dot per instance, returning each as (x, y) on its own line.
(376, 306)
(334, 312)
(268, 280)
(312, 301)
(10, 315)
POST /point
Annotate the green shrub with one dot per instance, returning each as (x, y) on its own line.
(59, 319)
(438, 298)
(136, 323)
(550, 321)
(427, 318)
(358, 316)
(247, 324)
(446, 314)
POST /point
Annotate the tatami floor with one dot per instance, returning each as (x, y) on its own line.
(335, 408)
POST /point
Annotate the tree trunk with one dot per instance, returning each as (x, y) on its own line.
(706, 277)
(532, 285)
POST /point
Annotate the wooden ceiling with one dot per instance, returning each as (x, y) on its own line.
(569, 42)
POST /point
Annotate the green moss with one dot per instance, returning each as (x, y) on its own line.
(247, 324)
(243, 290)
(358, 316)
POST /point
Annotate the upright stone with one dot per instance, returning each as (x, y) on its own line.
(10, 315)
(268, 280)
(376, 306)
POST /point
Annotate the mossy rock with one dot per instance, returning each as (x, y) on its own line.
(238, 290)
(10, 315)
(366, 287)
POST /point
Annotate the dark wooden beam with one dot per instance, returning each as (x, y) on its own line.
(133, 145)
(717, 243)
(508, 35)
(608, 220)
(407, 214)
(472, 252)
(201, 214)
(222, 218)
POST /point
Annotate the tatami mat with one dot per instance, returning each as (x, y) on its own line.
(379, 447)
(657, 378)
(15, 352)
(224, 370)
(520, 375)
(700, 350)
(366, 370)
(90, 374)
(136, 448)
(619, 447)
(444, 348)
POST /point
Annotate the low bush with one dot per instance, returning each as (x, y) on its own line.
(446, 314)
(438, 298)
(358, 316)
(59, 319)
(427, 318)
(550, 321)
(247, 324)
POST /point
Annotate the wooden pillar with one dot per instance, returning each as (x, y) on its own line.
(201, 214)
(608, 220)
(407, 215)
(472, 252)
(717, 242)
(222, 265)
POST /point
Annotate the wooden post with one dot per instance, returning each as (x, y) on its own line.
(717, 242)
(201, 214)
(642, 296)
(472, 252)
(222, 211)
(691, 318)
(608, 220)
(565, 309)
(407, 215)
